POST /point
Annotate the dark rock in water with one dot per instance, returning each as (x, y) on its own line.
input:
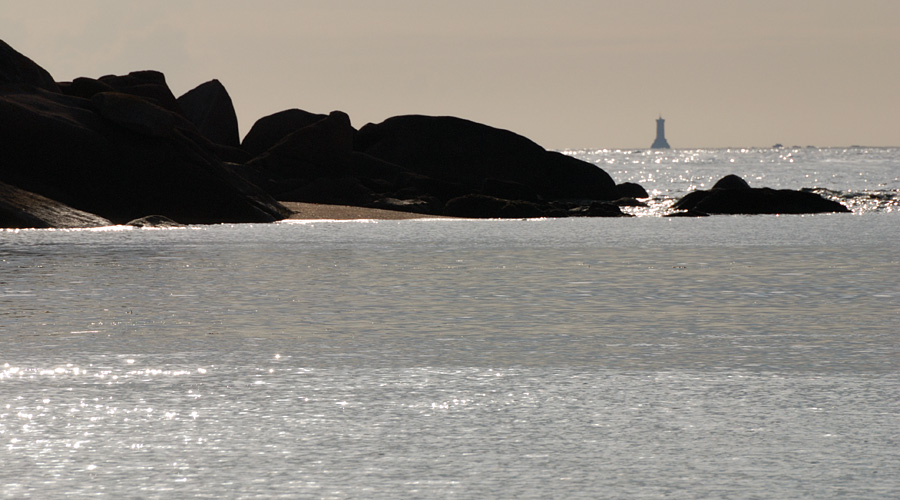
(467, 153)
(120, 155)
(731, 181)
(270, 130)
(631, 190)
(156, 221)
(740, 198)
(17, 69)
(209, 107)
(23, 209)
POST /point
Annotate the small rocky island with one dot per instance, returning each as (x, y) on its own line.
(122, 149)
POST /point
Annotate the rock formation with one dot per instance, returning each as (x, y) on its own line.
(210, 109)
(117, 147)
(732, 195)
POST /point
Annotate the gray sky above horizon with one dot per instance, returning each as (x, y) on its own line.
(567, 74)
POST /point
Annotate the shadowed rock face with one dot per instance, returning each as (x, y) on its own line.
(22, 209)
(732, 195)
(209, 107)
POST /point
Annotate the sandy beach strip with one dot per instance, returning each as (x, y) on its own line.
(320, 211)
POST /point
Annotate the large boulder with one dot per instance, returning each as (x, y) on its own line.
(311, 151)
(209, 107)
(270, 130)
(631, 190)
(463, 152)
(732, 195)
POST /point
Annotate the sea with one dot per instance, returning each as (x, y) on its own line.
(731, 357)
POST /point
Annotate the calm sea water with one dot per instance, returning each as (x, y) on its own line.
(722, 357)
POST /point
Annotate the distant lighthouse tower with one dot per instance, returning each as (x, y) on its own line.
(660, 142)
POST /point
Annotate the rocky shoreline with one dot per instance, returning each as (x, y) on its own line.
(122, 149)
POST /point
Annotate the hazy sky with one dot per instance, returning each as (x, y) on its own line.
(567, 73)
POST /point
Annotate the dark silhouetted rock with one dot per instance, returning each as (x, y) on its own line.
(270, 130)
(631, 190)
(209, 107)
(731, 181)
(317, 155)
(467, 153)
(740, 198)
(22, 209)
(17, 69)
(312, 151)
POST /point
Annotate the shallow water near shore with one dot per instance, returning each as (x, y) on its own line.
(723, 357)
